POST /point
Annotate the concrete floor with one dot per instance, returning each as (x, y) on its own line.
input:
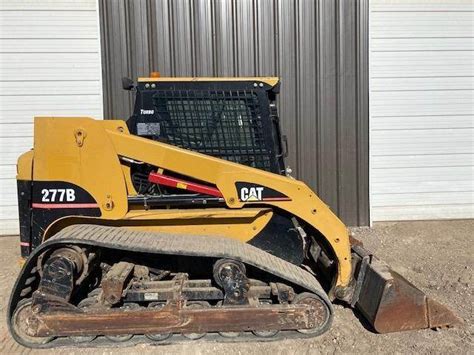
(437, 256)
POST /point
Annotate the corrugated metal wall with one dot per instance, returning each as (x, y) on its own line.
(318, 48)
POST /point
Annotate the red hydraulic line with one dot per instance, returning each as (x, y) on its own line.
(161, 179)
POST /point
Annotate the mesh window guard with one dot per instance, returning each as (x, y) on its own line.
(224, 124)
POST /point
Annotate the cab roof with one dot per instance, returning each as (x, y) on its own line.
(270, 80)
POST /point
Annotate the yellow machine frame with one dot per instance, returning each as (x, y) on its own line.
(87, 152)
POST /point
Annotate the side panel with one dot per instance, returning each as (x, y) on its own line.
(23, 180)
(78, 151)
(24, 215)
(51, 200)
(40, 203)
(280, 238)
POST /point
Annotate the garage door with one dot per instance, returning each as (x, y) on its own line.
(421, 109)
(49, 65)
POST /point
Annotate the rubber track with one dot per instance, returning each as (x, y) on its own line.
(174, 244)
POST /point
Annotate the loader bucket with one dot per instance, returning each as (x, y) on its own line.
(390, 302)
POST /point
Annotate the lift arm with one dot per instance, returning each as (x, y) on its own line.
(295, 197)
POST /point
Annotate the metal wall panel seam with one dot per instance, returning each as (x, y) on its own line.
(317, 64)
(297, 91)
(192, 37)
(369, 39)
(99, 49)
(362, 103)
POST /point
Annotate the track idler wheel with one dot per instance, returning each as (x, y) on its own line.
(321, 313)
(196, 305)
(231, 276)
(158, 336)
(24, 322)
(124, 337)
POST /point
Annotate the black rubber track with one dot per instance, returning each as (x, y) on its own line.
(170, 244)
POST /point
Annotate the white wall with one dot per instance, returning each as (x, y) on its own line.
(49, 66)
(421, 109)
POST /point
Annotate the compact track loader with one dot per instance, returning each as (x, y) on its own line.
(189, 226)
